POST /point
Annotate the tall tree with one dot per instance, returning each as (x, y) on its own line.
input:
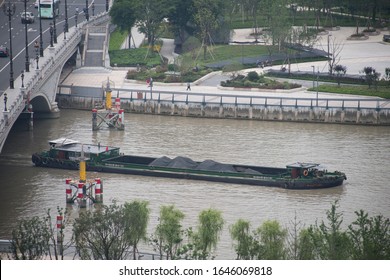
(123, 16)
(334, 50)
(204, 239)
(209, 229)
(101, 234)
(271, 238)
(370, 237)
(180, 18)
(278, 21)
(332, 243)
(240, 232)
(30, 239)
(136, 220)
(169, 231)
(150, 15)
(207, 15)
(34, 237)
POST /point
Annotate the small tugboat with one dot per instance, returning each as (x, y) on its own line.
(66, 153)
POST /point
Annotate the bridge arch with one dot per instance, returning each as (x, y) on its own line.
(40, 103)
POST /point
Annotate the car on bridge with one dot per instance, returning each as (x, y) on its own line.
(27, 17)
(4, 51)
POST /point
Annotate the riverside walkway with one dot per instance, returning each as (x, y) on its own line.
(354, 54)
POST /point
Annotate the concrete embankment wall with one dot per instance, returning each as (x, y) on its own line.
(359, 116)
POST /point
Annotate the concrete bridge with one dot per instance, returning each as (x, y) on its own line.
(36, 92)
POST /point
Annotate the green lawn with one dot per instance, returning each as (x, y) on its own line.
(217, 53)
(382, 91)
(116, 40)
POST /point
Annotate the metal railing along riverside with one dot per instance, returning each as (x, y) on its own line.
(252, 100)
(70, 252)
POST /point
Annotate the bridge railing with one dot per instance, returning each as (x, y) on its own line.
(40, 72)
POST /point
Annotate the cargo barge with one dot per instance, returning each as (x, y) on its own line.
(66, 154)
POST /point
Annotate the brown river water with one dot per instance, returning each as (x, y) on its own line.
(362, 152)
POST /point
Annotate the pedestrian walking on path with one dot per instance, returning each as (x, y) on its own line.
(188, 86)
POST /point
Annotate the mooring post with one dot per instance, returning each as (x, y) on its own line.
(59, 235)
(68, 191)
(94, 119)
(80, 195)
(98, 191)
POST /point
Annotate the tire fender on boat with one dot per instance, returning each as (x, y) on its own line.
(305, 172)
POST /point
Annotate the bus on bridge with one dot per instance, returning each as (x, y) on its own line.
(49, 8)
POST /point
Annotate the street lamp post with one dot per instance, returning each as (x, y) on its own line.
(76, 15)
(5, 102)
(54, 25)
(36, 46)
(25, 32)
(151, 88)
(51, 34)
(9, 10)
(314, 76)
(330, 66)
(22, 76)
(40, 30)
(86, 10)
(66, 17)
(318, 73)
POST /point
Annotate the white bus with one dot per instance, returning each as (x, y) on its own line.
(49, 8)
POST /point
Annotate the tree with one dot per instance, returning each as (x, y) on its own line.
(101, 234)
(340, 72)
(168, 234)
(150, 14)
(180, 18)
(271, 240)
(372, 76)
(294, 241)
(306, 246)
(30, 240)
(209, 229)
(387, 75)
(278, 21)
(136, 221)
(254, 8)
(34, 237)
(123, 16)
(334, 50)
(201, 242)
(330, 242)
(240, 232)
(206, 17)
(370, 237)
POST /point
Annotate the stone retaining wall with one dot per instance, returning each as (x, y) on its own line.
(232, 111)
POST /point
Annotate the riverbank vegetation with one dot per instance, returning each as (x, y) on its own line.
(254, 80)
(369, 83)
(115, 232)
(380, 91)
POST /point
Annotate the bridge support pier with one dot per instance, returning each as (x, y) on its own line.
(31, 121)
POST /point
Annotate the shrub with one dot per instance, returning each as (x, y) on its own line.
(173, 79)
(253, 76)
